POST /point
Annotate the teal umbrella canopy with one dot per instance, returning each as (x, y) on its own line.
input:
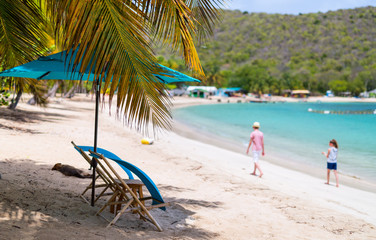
(172, 76)
(44, 68)
(57, 67)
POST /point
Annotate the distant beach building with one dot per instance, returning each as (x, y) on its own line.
(286, 93)
(178, 92)
(329, 93)
(230, 92)
(370, 94)
(201, 91)
(300, 93)
(345, 94)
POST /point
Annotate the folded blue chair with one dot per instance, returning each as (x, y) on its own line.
(130, 169)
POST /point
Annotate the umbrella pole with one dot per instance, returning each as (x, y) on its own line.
(94, 162)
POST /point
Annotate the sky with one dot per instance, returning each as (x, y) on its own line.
(296, 6)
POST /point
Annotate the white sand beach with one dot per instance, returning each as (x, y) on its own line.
(212, 194)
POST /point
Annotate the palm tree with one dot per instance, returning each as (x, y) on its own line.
(120, 36)
(22, 39)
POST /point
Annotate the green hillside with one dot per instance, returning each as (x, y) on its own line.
(272, 52)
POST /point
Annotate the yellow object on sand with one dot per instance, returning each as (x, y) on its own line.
(147, 141)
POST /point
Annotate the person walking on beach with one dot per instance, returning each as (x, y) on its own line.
(332, 160)
(257, 143)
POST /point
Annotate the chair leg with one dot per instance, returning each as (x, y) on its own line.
(121, 198)
(153, 220)
(108, 202)
(121, 212)
(144, 210)
(84, 198)
(100, 195)
(141, 194)
(134, 196)
(83, 193)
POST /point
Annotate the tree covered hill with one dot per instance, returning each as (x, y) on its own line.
(272, 52)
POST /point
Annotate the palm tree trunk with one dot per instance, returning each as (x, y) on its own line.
(15, 101)
(50, 93)
(53, 90)
(70, 93)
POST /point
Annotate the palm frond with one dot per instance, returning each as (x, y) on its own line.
(115, 37)
(208, 14)
(179, 22)
(22, 38)
(113, 40)
(37, 88)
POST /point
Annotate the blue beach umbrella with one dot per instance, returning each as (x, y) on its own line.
(54, 67)
(57, 67)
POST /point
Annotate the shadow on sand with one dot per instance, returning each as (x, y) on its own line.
(25, 116)
(38, 203)
(20, 120)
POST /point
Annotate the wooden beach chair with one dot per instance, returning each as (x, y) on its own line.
(130, 169)
(124, 196)
(119, 193)
(103, 181)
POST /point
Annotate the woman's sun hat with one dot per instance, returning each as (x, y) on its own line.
(256, 125)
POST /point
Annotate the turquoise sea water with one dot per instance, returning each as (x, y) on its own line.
(293, 133)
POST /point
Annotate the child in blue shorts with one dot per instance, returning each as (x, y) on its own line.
(332, 160)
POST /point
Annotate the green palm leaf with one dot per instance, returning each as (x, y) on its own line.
(119, 34)
(22, 38)
(178, 23)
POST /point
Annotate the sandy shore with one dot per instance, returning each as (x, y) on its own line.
(213, 195)
(186, 131)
